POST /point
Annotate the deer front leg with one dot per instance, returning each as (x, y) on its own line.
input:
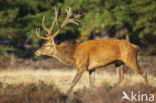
(92, 78)
(76, 79)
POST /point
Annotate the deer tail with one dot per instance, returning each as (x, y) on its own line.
(136, 47)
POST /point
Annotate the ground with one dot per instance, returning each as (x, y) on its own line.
(30, 83)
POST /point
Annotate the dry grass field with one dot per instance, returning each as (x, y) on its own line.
(31, 82)
(63, 78)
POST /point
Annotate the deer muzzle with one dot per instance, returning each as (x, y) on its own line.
(37, 53)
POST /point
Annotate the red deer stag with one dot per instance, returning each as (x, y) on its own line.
(90, 54)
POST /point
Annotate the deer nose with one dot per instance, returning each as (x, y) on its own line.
(37, 53)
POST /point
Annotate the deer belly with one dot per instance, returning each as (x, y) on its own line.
(101, 60)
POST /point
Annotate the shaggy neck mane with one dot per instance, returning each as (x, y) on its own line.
(65, 52)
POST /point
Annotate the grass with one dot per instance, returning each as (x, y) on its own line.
(27, 82)
(63, 78)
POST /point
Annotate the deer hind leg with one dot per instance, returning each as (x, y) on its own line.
(119, 72)
(133, 65)
(92, 77)
(75, 80)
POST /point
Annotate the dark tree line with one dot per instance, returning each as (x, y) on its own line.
(20, 18)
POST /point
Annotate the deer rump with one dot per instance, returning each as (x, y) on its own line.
(98, 53)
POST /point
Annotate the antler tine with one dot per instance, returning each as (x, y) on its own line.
(53, 23)
(39, 36)
(74, 20)
(43, 24)
(71, 18)
(69, 12)
(69, 15)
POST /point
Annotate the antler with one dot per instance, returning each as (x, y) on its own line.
(48, 30)
(39, 36)
(71, 18)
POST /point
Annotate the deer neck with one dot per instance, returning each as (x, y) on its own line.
(64, 53)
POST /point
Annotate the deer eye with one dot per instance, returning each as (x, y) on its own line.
(48, 45)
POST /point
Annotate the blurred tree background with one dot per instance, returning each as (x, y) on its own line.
(100, 18)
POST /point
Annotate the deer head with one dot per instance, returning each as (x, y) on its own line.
(49, 47)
